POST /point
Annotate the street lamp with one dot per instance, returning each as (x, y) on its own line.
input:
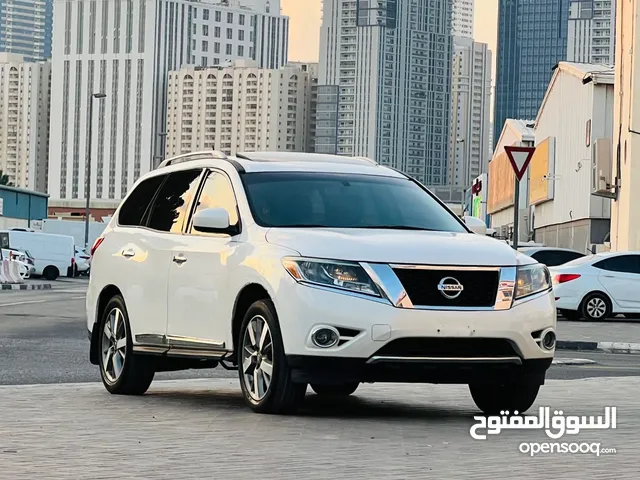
(87, 179)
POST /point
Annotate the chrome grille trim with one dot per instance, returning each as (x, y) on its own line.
(395, 293)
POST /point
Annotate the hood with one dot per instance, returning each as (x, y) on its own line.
(398, 246)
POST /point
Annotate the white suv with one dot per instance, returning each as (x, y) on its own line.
(304, 269)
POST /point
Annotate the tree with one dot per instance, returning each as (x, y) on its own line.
(4, 179)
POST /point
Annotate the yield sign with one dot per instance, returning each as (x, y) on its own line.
(520, 157)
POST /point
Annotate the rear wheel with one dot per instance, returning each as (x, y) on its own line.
(596, 306)
(123, 372)
(50, 273)
(512, 397)
(341, 390)
(265, 376)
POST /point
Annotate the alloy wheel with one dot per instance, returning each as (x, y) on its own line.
(114, 345)
(596, 307)
(257, 358)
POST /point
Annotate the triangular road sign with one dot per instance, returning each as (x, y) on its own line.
(520, 157)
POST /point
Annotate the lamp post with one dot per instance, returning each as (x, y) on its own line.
(87, 179)
(463, 182)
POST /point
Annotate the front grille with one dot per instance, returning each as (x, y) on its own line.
(480, 287)
(448, 348)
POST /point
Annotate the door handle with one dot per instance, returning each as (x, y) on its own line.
(179, 259)
(128, 253)
(608, 276)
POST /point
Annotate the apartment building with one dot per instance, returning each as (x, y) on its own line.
(470, 111)
(241, 108)
(124, 50)
(385, 84)
(24, 121)
(26, 28)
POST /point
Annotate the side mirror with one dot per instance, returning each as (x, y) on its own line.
(213, 220)
(476, 225)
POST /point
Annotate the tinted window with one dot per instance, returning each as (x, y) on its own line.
(217, 192)
(344, 201)
(622, 264)
(133, 209)
(174, 198)
(552, 258)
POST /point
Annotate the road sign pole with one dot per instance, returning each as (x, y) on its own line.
(516, 213)
(520, 157)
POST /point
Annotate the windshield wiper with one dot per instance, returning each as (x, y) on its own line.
(398, 227)
(303, 225)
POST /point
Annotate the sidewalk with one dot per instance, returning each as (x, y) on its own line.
(620, 336)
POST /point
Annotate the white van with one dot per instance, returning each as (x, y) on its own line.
(54, 255)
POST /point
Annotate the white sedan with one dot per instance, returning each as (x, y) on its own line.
(598, 286)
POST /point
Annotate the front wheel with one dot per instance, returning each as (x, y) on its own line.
(265, 376)
(122, 371)
(341, 390)
(570, 315)
(512, 397)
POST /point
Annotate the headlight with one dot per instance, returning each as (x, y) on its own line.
(532, 279)
(335, 274)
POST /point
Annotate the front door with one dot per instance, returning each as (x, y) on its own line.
(198, 279)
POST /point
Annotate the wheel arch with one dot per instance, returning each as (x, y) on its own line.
(249, 294)
(107, 293)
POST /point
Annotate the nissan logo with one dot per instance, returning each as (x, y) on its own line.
(450, 288)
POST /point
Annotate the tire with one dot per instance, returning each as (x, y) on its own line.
(571, 315)
(512, 397)
(271, 389)
(135, 374)
(595, 307)
(51, 273)
(342, 390)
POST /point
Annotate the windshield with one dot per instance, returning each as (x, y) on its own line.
(344, 201)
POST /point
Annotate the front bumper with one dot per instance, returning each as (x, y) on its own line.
(337, 370)
(370, 325)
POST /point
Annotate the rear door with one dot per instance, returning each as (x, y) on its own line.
(620, 276)
(129, 258)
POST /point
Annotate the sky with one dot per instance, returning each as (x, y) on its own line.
(306, 16)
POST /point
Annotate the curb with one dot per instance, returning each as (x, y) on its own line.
(605, 347)
(23, 286)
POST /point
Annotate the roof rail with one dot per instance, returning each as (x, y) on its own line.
(189, 157)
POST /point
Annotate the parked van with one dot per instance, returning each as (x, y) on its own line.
(53, 255)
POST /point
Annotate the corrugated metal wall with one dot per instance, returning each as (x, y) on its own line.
(22, 204)
(570, 105)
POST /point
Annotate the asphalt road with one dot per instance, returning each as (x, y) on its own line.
(43, 340)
